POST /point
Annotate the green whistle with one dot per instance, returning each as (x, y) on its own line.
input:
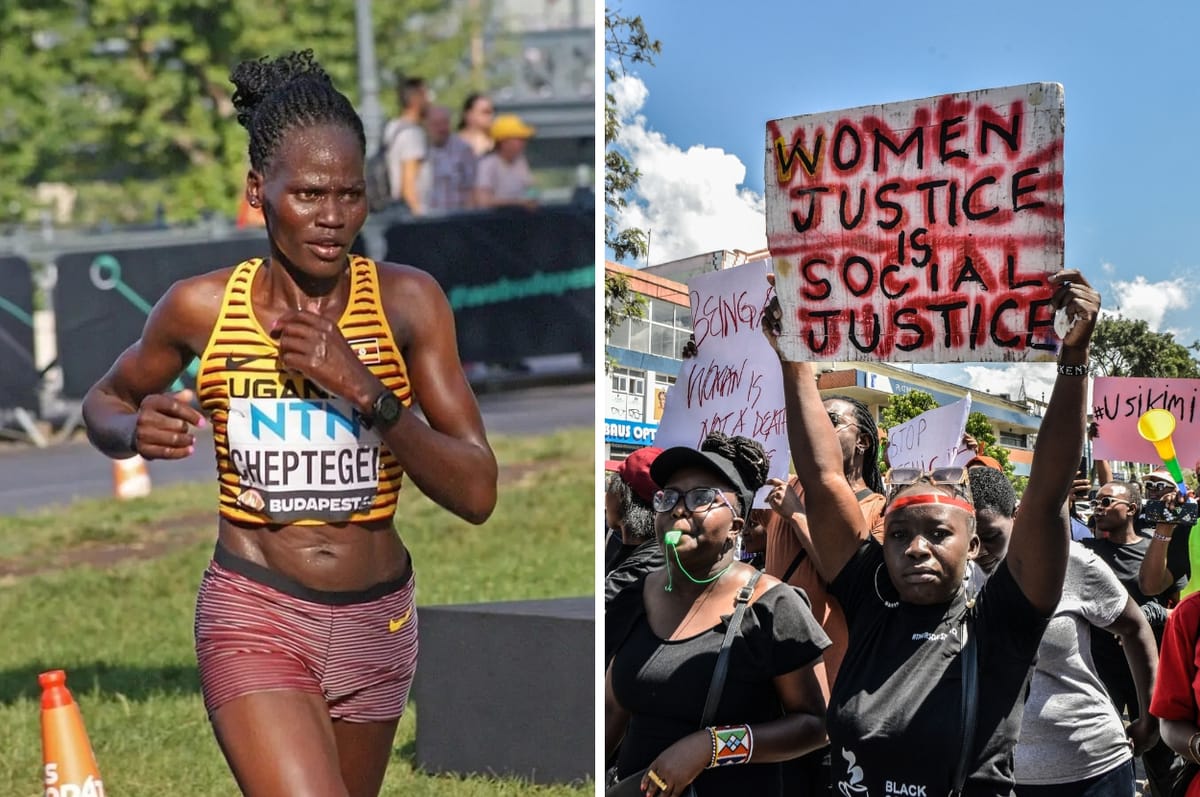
(672, 537)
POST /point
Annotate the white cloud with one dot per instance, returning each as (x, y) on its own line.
(1108, 268)
(690, 201)
(1036, 378)
(1150, 301)
(629, 95)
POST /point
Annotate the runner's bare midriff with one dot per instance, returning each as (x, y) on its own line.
(331, 558)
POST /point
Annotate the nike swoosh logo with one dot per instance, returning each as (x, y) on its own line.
(234, 363)
(399, 622)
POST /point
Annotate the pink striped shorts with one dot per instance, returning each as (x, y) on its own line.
(257, 631)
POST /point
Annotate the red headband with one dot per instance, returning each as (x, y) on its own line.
(929, 498)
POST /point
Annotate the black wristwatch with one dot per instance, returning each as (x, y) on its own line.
(385, 411)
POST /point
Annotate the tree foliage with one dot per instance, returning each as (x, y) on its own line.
(1127, 347)
(903, 407)
(128, 102)
(625, 43)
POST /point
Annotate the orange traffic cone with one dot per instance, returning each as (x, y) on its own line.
(69, 764)
(131, 479)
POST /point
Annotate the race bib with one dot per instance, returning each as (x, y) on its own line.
(302, 458)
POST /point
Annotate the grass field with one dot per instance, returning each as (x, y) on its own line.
(106, 591)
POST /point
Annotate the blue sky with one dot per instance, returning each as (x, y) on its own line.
(694, 122)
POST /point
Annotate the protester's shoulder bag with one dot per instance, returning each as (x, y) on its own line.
(631, 786)
(970, 696)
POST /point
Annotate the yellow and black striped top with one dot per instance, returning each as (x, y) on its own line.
(288, 451)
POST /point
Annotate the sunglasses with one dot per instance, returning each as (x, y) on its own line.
(899, 478)
(1107, 500)
(694, 499)
(1154, 485)
(838, 421)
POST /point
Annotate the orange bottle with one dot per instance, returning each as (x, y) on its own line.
(69, 766)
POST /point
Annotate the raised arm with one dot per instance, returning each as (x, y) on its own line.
(129, 400)
(835, 520)
(1141, 653)
(1037, 550)
(447, 455)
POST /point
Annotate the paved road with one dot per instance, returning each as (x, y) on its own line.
(32, 478)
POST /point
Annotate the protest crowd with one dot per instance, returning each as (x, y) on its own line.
(1069, 649)
(815, 619)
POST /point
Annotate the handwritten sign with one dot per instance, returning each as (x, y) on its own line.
(1118, 402)
(919, 231)
(932, 439)
(733, 384)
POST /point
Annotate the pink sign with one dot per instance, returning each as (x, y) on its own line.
(1118, 402)
(919, 231)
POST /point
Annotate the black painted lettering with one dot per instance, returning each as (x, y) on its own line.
(948, 309)
(969, 194)
(917, 136)
(1011, 137)
(850, 224)
(825, 316)
(917, 330)
(864, 265)
(886, 204)
(846, 132)
(946, 135)
(994, 327)
(1019, 190)
(807, 160)
(805, 223)
(968, 273)
(824, 287)
(930, 188)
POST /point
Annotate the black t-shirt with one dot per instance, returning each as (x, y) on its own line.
(664, 684)
(636, 564)
(895, 714)
(1125, 560)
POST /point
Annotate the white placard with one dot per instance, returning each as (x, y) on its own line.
(932, 439)
(733, 384)
(919, 231)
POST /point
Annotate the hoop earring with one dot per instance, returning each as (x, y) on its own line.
(887, 603)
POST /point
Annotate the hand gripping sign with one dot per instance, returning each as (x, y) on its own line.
(919, 231)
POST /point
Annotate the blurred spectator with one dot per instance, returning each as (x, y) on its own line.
(504, 177)
(475, 126)
(448, 176)
(404, 138)
(628, 514)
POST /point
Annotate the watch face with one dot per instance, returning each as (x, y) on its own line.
(387, 408)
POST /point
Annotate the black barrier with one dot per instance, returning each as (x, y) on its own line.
(102, 299)
(18, 370)
(522, 283)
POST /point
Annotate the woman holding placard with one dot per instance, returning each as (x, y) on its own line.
(930, 662)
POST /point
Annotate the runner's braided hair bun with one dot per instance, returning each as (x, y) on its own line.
(274, 96)
(748, 456)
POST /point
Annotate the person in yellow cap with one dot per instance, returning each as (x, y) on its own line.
(503, 177)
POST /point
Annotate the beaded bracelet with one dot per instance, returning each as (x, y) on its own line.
(1161, 537)
(732, 744)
